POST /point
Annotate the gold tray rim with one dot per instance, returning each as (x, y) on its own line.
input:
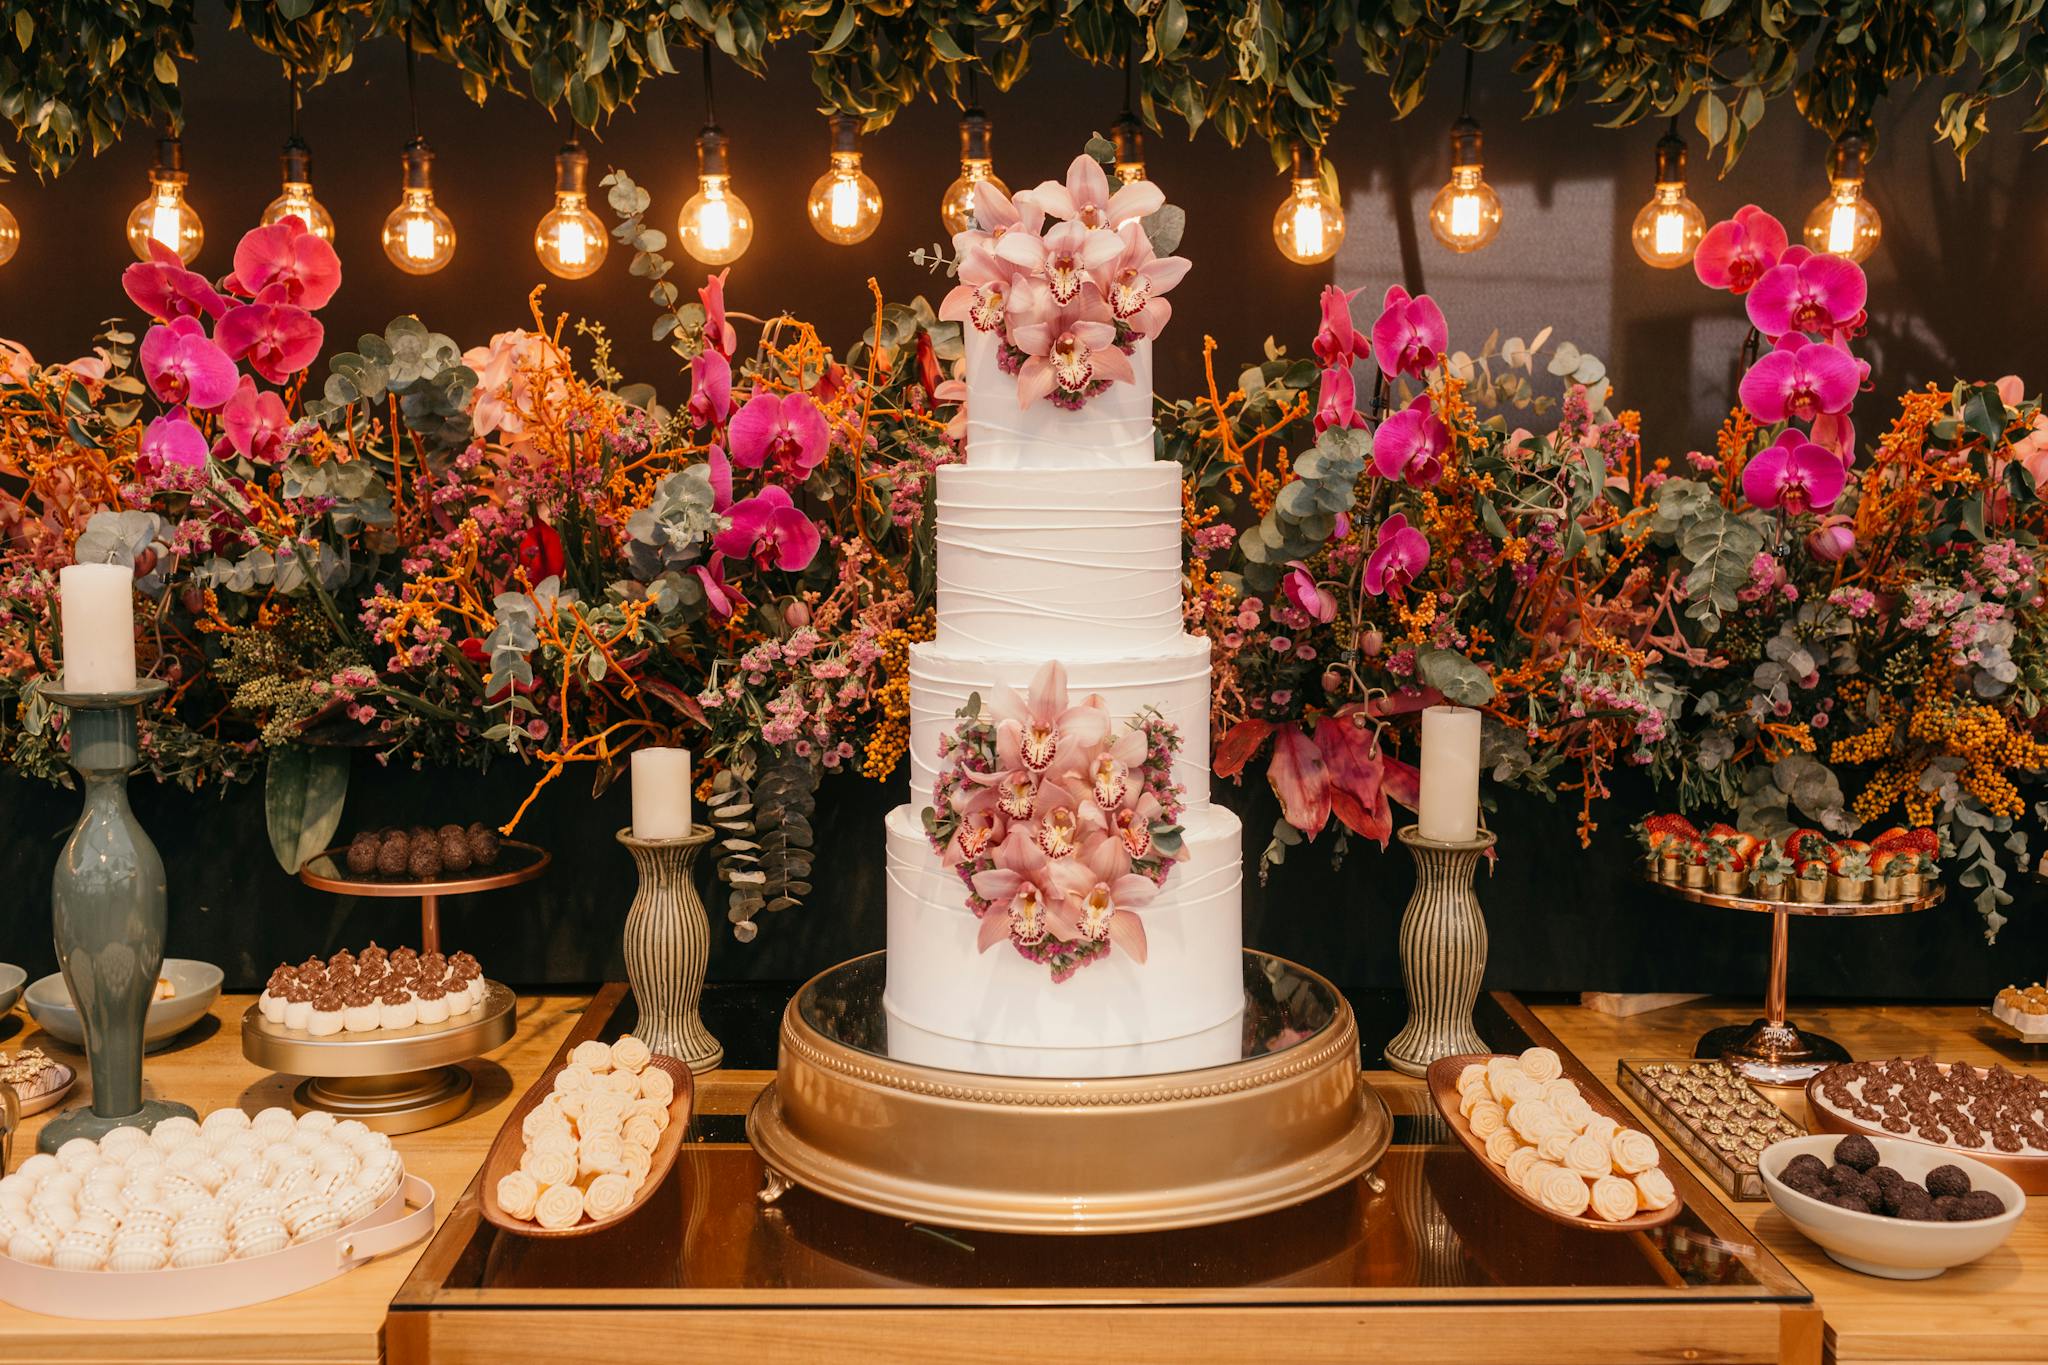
(396, 888)
(1700, 895)
(385, 1051)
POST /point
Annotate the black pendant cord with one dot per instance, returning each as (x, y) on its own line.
(973, 87)
(291, 85)
(710, 102)
(412, 94)
(1465, 96)
(1127, 81)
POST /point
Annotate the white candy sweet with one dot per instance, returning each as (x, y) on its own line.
(17, 1186)
(206, 1246)
(122, 1140)
(133, 1254)
(353, 1202)
(273, 1124)
(348, 1130)
(307, 1140)
(593, 1054)
(629, 1054)
(38, 1168)
(78, 1155)
(317, 1121)
(81, 1250)
(260, 1237)
(32, 1245)
(210, 1173)
(323, 1221)
(224, 1121)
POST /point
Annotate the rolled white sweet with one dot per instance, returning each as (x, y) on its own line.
(631, 1055)
(644, 1131)
(553, 1140)
(273, 1123)
(656, 1084)
(603, 1109)
(265, 1236)
(1574, 1111)
(559, 1206)
(601, 1152)
(38, 1168)
(77, 1250)
(623, 1082)
(592, 1054)
(551, 1167)
(607, 1194)
(1501, 1144)
(1564, 1191)
(224, 1122)
(517, 1192)
(33, 1246)
(1471, 1074)
(1589, 1156)
(1614, 1198)
(574, 1077)
(132, 1254)
(1602, 1127)
(1556, 1143)
(1560, 1089)
(1540, 1064)
(1634, 1151)
(316, 1121)
(653, 1109)
(1653, 1187)
(205, 1247)
(1518, 1163)
(79, 1155)
(1513, 1087)
(1533, 1178)
(1531, 1118)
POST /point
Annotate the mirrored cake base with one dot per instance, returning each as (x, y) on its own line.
(1233, 1122)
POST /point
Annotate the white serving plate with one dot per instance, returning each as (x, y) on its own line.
(117, 1296)
(197, 985)
(1892, 1248)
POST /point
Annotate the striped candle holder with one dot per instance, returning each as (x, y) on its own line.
(1443, 953)
(668, 946)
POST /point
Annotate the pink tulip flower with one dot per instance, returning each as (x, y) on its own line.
(172, 440)
(710, 389)
(1337, 402)
(256, 422)
(1800, 379)
(183, 366)
(1086, 199)
(286, 256)
(1410, 334)
(1795, 475)
(279, 339)
(1338, 343)
(1736, 252)
(1411, 445)
(165, 289)
(718, 332)
(1819, 295)
(1303, 591)
(770, 529)
(1401, 554)
(785, 432)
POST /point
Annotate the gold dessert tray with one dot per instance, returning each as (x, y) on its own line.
(517, 862)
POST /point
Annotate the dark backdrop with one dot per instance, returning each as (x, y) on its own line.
(1952, 292)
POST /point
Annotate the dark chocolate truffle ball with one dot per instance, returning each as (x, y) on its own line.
(1916, 1206)
(425, 860)
(483, 845)
(1806, 1166)
(1847, 1199)
(419, 832)
(1948, 1207)
(1856, 1150)
(454, 850)
(362, 855)
(450, 828)
(1862, 1186)
(1806, 1182)
(392, 855)
(1980, 1204)
(1948, 1180)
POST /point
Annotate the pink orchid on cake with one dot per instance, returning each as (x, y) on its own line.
(1062, 830)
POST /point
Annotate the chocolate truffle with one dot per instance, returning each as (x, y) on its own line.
(1857, 1151)
(1846, 1199)
(362, 855)
(392, 856)
(455, 850)
(1848, 1178)
(1948, 1180)
(425, 860)
(1804, 1166)
(1948, 1207)
(1915, 1206)
(1979, 1204)
(483, 844)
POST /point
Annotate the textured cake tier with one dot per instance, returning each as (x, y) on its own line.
(1173, 680)
(1191, 981)
(1112, 428)
(1057, 564)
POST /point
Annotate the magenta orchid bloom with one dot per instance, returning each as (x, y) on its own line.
(1338, 343)
(1835, 431)
(1310, 596)
(1410, 334)
(771, 529)
(256, 422)
(1067, 348)
(1402, 553)
(279, 339)
(785, 432)
(1137, 279)
(1086, 199)
(1069, 255)
(1101, 902)
(1035, 730)
(1832, 541)
(172, 440)
(1800, 379)
(1794, 474)
(285, 255)
(1020, 889)
(183, 366)
(718, 332)
(710, 389)
(1337, 401)
(1819, 295)
(722, 597)
(1736, 252)
(1411, 445)
(165, 289)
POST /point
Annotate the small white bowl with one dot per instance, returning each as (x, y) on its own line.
(1893, 1248)
(197, 985)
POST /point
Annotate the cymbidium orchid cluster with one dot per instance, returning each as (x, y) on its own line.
(1066, 279)
(1062, 829)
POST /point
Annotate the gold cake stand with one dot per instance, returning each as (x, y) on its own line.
(394, 1080)
(517, 862)
(1773, 1050)
(1291, 1118)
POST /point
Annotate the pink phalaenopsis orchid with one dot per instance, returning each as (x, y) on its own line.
(278, 339)
(1067, 347)
(772, 530)
(1795, 475)
(1803, 379)
(286, 256)
(165, 289)
(720, 596)
(1818, 295)
(1410, 334)
(172, 440)
(718, 332)
(1066, 258)
(1411, 445)
(1736, 252)
(787, 433)
(256, 422)
(183, 365)
(710, 389)
(1137, 279)
(1085, 198)
(1304, 592)
(1337, 400)
(1338, 343)
(1402, 553)
(1101, 902)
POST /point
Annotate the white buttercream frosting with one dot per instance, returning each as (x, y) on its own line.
(1112, 428)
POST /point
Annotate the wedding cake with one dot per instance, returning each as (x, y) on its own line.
(1059, 878)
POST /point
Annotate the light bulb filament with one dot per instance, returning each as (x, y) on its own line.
(1308, 222)
(1842, 227)
(163, 219)
(419, 238)
(845, 202)
(1670, 233)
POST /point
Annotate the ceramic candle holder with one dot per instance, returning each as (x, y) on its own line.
(668, 946)
(110, 908)
(1443, 953)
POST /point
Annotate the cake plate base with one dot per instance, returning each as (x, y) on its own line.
(1289, 1119)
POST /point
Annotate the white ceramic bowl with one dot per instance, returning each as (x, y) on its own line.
(1892, 1247)
(197, 985)
(11, 979)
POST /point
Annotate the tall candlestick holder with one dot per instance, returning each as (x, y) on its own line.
(668, 948)
(109, 911)
(1443, 953)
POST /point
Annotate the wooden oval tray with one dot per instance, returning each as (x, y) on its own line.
(2030, 1173)
(1443, 1089)
(511, 1146)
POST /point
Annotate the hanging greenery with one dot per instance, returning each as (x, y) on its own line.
(75, 74)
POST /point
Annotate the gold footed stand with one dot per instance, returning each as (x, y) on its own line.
(1773, 1050)
(517, 862)
(1278, 1115)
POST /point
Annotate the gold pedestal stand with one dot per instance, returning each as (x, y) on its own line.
(393, 1080)
(1290, 1118)
(517, 862)
(1773, 1050)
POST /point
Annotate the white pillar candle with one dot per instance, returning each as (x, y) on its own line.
(98, 604)
(661, 793)
(1449, 802)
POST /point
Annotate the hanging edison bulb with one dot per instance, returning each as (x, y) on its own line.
(1465, 215)
(956, 206)
(418, 237)
(1845, 223)
(165, 216)
(296, 200)
(10, 235)
(845, 206)
(1129, 136)
(1308, 227)
(1669, 228)
(570, 240)
(716, 225)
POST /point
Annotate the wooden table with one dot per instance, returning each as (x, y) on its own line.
(1995, 1309)
(342, 1320)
